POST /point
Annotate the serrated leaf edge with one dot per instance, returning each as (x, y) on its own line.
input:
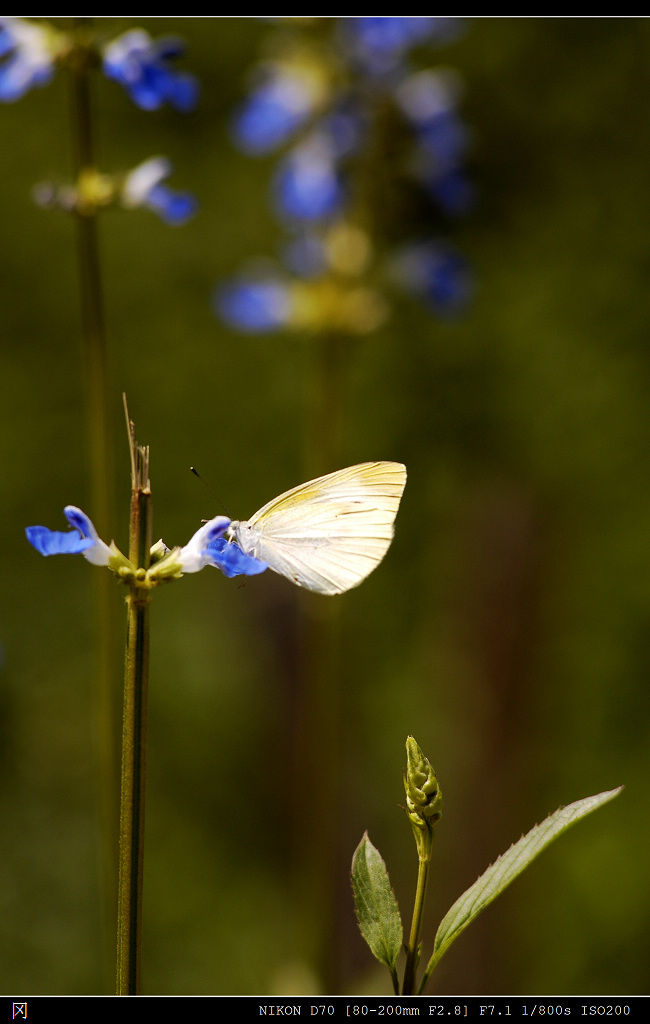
(506, 868)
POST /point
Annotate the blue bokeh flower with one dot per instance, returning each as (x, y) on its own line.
(380, 43)
(143, 67)
(373, 163)
(144, 186)
(437, 274)
(254, 305)
(289, 93)
(27, 55)
(82, 539)
(429, 101)
(308, 185)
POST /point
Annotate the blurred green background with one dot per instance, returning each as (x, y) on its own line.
(508, 628)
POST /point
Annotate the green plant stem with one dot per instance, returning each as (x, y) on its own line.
(413, 948)
(424, 981)
(132, 804)
(134, 730)
(395, 979)
(91, 291)
(99, 455)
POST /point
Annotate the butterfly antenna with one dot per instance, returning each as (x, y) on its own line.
(194, 470)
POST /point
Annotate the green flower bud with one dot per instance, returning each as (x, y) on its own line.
(423, 797)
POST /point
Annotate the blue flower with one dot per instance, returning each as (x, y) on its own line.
(142, 66)
(27, 55)
(437, 274)
(308, 185)
(229, 557)
(83, 539)
(208, 546)
(143, 187)
(254, 305)
(428, 99)
(379, 43)
(276, 109)
(409, 124)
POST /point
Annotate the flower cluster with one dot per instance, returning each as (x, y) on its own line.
(29, 52)
(373, 161)
(208, 546)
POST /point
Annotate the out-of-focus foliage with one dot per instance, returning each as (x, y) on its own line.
(510, 622)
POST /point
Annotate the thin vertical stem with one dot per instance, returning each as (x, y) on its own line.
(413, 947)
(100, 460)
(91, 291)
(134, 731)
(132, 804)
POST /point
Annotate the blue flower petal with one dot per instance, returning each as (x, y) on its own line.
(254, 306)
(229, 557)
(437, 274)
(57, 542)
(28, 59)
(144, 186)
(380, 43)
(142, 67)
(268, 118)
(174, 207)
(82, 539)
(308, 185)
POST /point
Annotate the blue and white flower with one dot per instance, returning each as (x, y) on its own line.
(27, 55)
(209, 546)
(144, 186)
(377, 144)
(143, 67)
(289, 93)
(308, 184)
(82, 539)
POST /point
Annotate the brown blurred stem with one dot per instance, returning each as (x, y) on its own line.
(99, 452)
(317, 750)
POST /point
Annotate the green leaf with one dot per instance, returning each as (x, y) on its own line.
(377, 910)
(505, 869)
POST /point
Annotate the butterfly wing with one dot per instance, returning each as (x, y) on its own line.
(328, 534)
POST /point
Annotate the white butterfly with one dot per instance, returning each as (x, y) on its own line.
(327, 535)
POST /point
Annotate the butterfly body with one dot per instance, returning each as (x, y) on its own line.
(328, 534)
